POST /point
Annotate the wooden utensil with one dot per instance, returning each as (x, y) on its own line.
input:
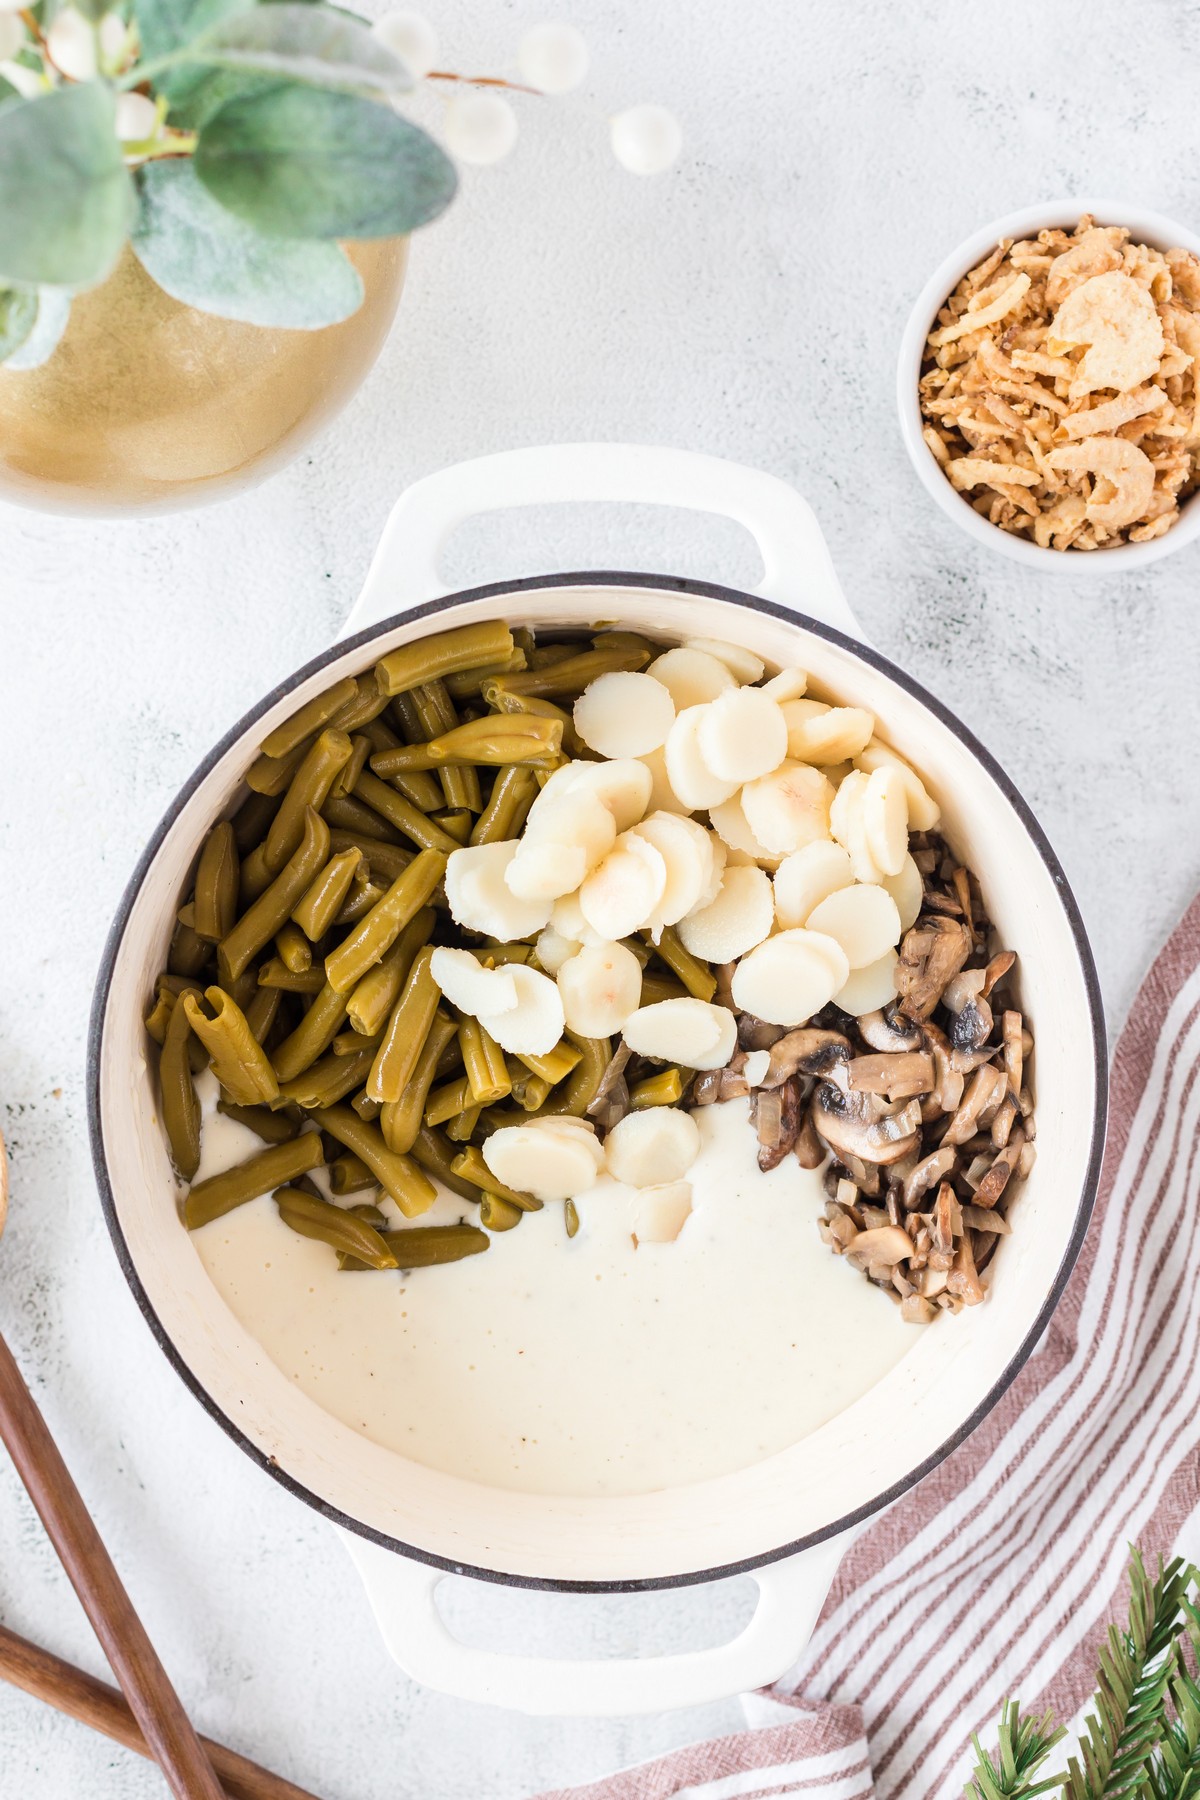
(152, 1700)
(94, 1703)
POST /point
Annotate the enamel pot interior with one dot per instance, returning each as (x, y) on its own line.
(851, 1466)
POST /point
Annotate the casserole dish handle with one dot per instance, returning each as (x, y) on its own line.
(798, 570)
(403, 1597)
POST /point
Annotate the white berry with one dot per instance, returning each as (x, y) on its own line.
(479, 127)
(71, 45)
(114, 37)
(646, 140)
(411, 37)
(553, 58)
(137, 118)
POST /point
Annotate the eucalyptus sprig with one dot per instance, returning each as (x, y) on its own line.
(1141, 1739)
(231, 144)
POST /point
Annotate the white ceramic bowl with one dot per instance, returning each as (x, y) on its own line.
(1150, 228)
(760, 1517)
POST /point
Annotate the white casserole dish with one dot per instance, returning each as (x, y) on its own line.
(785, 1519)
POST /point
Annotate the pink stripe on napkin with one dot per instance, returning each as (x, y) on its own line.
(999, 1574)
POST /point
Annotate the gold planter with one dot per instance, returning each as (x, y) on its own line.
(148, 405)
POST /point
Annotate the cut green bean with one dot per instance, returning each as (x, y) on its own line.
(513, 793)
(469, 1164)
(571, 1216)
(448, 1102)
(214, 905)
(275, 974)
(426, 1246)
(387, 860)
(293, 948)
(556, 1064)
(350, 1175)
(663, 1089)
(274, 1125)
(362, 895)
(696, 976)
(400, 1120)
(580, 1088)
(493, 740)
(366, 1108)
(352, 768)
(309, 787)
(259, 924)
(408, 1186)
(371, 939)
(237, 1057)
(180, 1107)
(661, 987)
(366, 704)
(376, 993)
(483, 1059)
(467, 683)
(460, 1130)
(498, 1214)
(436, 1154)
(456, 824)
(254, 877)
(262, 1010)
(442, 654)
(157, 1018)
(252, 821)
(327, 1081)
(312, 1037)
(353, 1043)
(407, 1029)
(271, 774)
(310, 717)
(567, 679)
(336, 1226)
(344, 813)
(400, 813)
(188, 954)
(529, 1091)
(319, 905)
(505, 702)
(271, 1168)
(437, 714)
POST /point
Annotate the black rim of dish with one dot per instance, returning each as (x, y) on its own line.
(513, 589)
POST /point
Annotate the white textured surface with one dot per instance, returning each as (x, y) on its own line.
(749, 305)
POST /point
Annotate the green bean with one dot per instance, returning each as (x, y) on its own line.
(544, 656)
(467, 683)
(567, 679)
(342, 812)
(386, 859)
(259, 924)
(663, 1089)
(487, 1072)
(542, 709)
(309, 787)
(237, 1057)
(492, 955)
(556, 1064)
(498, 1214)
(448, 1102)
(252, 820)
(373, 936)
(424, 1246)
(275, 1125)
(326, 1082)
(216, 890)
(312, 1037)
(401, 813)
(271, 774)
(334, 1225)
(254, 877)
(696, 976)
(412, 1191)
(180, 1107)
(363, 894)
(407, 1029)
(626, 640)
(319, 905)
(366, 705)
(188, 954)
(375, 995)
(352, 768)
(571, 1216)
(470, 1165)
(445, 653)
(493, 739)
(513, 793)
(350, 1175)
(352, 1043)
(260, 1173)
(580, 1088)
(424, 790)
(406, 715)
(436, 1156)
(366, 1108)
(528, 1090)
(400, 1119)
(244, 988)
(310, 717)
(460, 1130)
(262, 1011)
(661, 987)
(157, 1018)
(276, 974)
(456, 824)
(435, 709)
(293, 948)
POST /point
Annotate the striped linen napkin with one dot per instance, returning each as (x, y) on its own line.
(999, 1573)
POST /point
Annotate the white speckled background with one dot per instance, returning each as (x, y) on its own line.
(749, 305)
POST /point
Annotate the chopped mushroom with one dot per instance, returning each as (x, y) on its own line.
(888, 1032)
(898, 1075)
(808, 1052)
(931, 954)
(861, 1125)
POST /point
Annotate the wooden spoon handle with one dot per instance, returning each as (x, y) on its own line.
(94, 1703)
(147, 1687)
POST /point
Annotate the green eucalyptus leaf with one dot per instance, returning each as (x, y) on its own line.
(7, 91)
(302, 42)
(167, 25)
(18, 313)
(195, 92)
(92, 9)
(68, 199)
(304, 162)
(197, 251)
(53, 311)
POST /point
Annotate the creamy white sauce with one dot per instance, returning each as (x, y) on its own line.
(583, 1366)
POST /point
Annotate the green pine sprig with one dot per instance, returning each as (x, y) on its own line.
(1024, 1746)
